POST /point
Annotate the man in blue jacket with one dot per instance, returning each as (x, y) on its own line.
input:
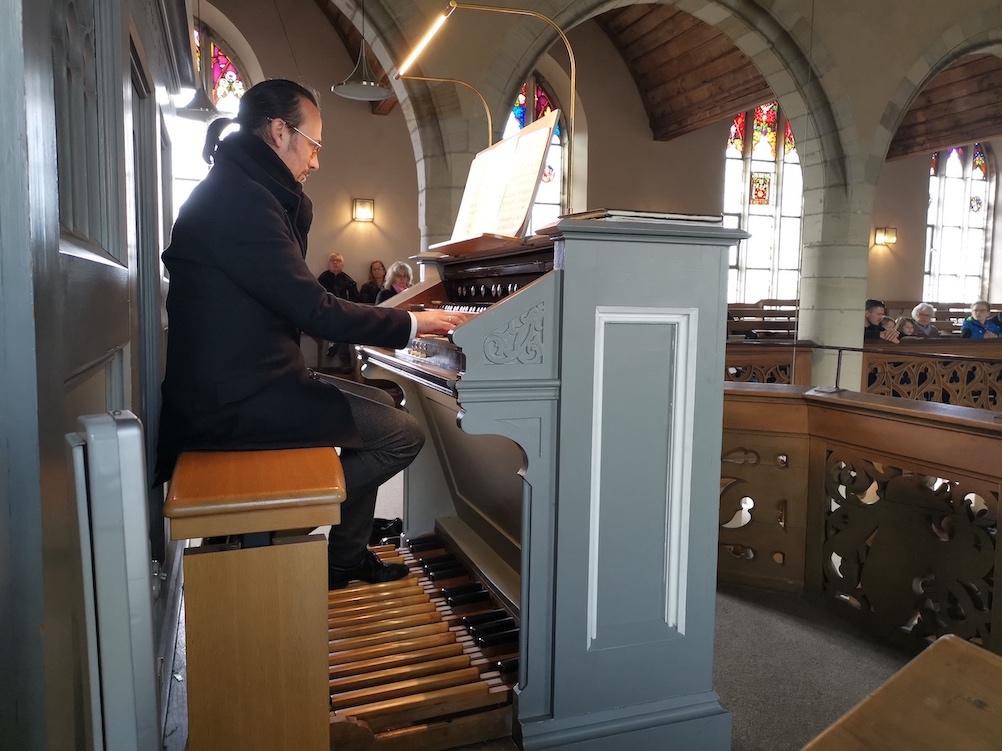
(241, 294)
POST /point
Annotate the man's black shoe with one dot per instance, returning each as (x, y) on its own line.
(371, 570)
(386, 531)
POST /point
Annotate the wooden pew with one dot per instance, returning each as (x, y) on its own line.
(950, 696)
(766, 319)
(256, 613)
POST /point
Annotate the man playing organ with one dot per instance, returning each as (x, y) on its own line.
(240, 295)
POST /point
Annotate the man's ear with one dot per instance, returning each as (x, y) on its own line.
(277, 132)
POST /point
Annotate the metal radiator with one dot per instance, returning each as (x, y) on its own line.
(108, 485)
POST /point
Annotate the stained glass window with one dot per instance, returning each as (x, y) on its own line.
(550, 195)
(225, 84)
(959, 225)
(763, 194)
(223, 81)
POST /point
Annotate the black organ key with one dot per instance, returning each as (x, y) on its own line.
(435, 559)
(478, 618)
(508, 666)
(470, 598)
(431, 542)
(495, 640)
(462, 589)
(493, 627)
(446, 573)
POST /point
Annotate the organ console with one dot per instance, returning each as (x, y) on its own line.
(569, 487)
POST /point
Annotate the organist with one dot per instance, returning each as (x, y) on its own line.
(240, 295)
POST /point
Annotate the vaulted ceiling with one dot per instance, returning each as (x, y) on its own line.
(690, 75)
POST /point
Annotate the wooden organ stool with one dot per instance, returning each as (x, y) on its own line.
(256, 608)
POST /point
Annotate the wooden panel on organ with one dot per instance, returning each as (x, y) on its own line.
(572, 461)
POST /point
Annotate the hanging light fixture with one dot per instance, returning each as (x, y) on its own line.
(362, 84)
(200, 107)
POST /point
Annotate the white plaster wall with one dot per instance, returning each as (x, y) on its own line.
(901, 200)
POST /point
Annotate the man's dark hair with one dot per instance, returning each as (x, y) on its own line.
(277, 98)
(871, 304)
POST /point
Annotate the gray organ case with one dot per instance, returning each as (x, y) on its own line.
(574, 431)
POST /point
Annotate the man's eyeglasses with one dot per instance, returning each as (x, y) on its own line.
(317, 146)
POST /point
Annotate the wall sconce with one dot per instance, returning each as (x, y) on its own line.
(363, 209)
(885, 236)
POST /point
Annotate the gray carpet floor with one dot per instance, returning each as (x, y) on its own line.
(787, 669)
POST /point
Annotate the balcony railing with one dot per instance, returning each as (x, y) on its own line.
(884, 509)
(946, 370)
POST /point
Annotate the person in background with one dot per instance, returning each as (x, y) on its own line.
(977, 325)
(398, 278)
(922, 315)
(873, 327)
(339, 284)
(905, 327)
(370, 290)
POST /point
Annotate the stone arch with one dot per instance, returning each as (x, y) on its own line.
(952, 44)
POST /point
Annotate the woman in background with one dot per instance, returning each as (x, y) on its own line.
(398, 278)
(922, 316)
(370, 290)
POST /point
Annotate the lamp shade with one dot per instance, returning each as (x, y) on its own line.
(885, 236)
(363, 209)
(362, 84)
(199, 108)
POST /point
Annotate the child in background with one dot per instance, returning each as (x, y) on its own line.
(905, 326)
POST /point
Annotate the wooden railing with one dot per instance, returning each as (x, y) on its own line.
(949, 371)
(946, 370)
(884, 509)
(769, 362)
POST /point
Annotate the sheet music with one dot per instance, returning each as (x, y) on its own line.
(503, 181)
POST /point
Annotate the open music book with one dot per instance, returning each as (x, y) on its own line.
(501, 188)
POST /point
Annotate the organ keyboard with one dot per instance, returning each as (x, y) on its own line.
(567, 469)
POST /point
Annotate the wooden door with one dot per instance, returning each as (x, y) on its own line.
(81, 178)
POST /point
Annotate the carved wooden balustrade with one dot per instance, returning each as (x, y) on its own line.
(768, 362)
(946, 370)
(885, 509)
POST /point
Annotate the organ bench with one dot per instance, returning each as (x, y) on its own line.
(256, 609)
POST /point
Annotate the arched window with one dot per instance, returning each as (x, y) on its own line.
(958, 225)
(764, 195)
(220, 75)
(550, 196)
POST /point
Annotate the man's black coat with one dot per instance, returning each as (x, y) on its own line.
(240, 294)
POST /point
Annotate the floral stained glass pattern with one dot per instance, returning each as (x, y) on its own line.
(980, 165)
(791, 146)
(226, 83)
(736, 139)
(764, 138)
(760, 184)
